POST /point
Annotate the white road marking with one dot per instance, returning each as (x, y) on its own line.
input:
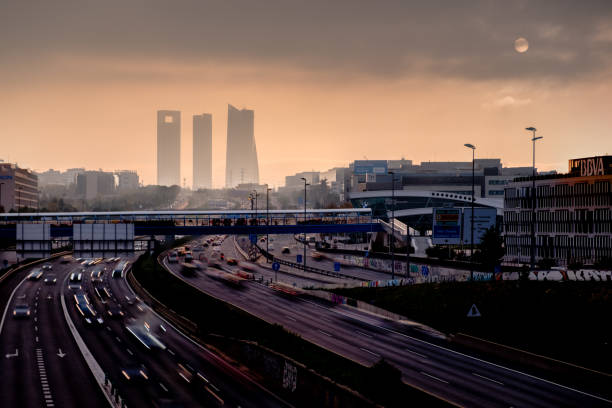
(130, 352)
(363, 334)
(290, 318)
(434, 377)
(368, 351)
(325, 333)
(418, 354)
(488, 379)
(37, 339)
(163, 387)
(171, 352)
(118, 339)
(16, 354)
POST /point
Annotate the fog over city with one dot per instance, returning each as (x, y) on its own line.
(329, 82)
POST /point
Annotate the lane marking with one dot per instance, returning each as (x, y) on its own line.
(418, 354)
(171, 352)
(325, 333)
(290, 318)
(476, 358)
(488, 379)
(118, 339)
(130, 352)
(363, 334)
(163, 387)
(368, 351)
(434, 377)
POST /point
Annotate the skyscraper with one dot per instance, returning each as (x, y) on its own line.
(168, 148)
(202, 151)
(241, 164)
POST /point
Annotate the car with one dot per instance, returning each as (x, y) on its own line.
(222, 256)
(36, 274)
(188, 257)
(47, 267)
(173, 257)
(286, 250)
(119, 269)
(89, 314)
(21, 311)
(50, 279)
(66, 259)
(143, 333)
(232, 261)
(76, 277)
(134, 373)
(205, 245)
(185, 371)
(81, 297)
(96, 276)
(114, 310)
(103, 293)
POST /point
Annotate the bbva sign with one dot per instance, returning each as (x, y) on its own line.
(592, 166)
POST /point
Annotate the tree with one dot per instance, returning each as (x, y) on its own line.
(491, 248)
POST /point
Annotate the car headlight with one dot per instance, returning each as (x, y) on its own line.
(88, 320)
(28, 312)
(14, 313)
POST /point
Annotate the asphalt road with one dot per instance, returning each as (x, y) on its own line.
(214, 383)
(427, 363)
(34, 371)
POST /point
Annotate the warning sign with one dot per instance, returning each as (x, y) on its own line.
(473, 312)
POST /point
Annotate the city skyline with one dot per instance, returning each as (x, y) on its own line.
(321, 101)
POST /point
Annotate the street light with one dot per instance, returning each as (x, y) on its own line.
(533, 195)
(471, 146)
(392, 244)
(267, 223)
(305, 184)
(3, 209)
(256, 194)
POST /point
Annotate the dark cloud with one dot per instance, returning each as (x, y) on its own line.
(466, 39)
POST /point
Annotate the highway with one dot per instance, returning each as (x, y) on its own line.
(424, 362)
(35, 373)
(48, 370)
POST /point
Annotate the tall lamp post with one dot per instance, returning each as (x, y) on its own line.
(3, 209)
(471, 146)
(267, 222)
(255, 195)
(305, 184)
(533, 195)
(392, 244)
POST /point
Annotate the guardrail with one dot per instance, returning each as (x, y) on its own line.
(307, 268)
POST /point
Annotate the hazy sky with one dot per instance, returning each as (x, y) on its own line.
(330, 81)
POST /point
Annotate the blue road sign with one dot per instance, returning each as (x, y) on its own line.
(275, 266)
(298, 259)
(253, 238)
(337, 266)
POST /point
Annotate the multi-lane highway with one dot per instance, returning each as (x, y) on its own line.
(47, 368)
(427, 363)
(40, 363)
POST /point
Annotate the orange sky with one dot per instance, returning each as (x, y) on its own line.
(76, 107)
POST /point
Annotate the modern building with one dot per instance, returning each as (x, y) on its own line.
(295, 182)
(18, 187)
(92, 184)
(241, 157)
(59, 178)
(573, 214)
(127, 180)
(202, 151)
(168, 148)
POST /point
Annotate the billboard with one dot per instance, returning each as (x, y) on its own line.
(446, 226)
(484, 218)
(370, 167)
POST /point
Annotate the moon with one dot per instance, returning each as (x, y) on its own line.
(521, 45)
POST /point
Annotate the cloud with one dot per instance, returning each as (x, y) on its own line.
(388, 40)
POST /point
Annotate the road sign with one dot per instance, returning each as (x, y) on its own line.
(275, 266)
(484, 218)
(337, 266)
(474, 312)
(298, 258)
(446, 226)
(253, 238)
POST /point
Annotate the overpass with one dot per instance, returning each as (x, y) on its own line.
(201, 222)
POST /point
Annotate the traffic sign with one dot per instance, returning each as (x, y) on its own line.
(298, 258)
(253, 238)
(275, 266)
(474, 312)
(336, 266)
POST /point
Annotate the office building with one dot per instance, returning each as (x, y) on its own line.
(202, 151)
(59, 178)
(241, 158)
(18, 187)
(127, 180)
(91, 184)
(573, 214)
(168, 148)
